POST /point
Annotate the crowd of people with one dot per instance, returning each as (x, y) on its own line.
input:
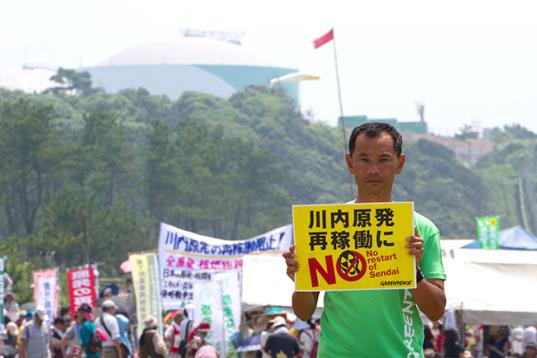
(480, 341)
(96, 332)
(359, 323)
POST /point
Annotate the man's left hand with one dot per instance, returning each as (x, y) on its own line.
(415, 246)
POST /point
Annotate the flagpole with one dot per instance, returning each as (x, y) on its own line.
(340, 122)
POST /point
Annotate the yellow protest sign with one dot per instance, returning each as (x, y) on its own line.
(353, 246)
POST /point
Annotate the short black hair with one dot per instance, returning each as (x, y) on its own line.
(373, 130)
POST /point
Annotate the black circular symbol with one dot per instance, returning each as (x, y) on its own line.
(351, 265)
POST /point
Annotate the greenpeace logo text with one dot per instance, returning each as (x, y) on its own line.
(395, 283)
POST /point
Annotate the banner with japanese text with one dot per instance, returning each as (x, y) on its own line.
(81, 285)
(219, 303)
(46, 291)
(187, 258)
(146, 288)
(187, 243)
(353, 246)
(488, 232)
(2, 293)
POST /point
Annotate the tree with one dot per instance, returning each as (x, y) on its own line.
(106, 166)
(467, 132)
(71, 81)
(30, 153)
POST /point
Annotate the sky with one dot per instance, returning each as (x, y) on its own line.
(470, 62)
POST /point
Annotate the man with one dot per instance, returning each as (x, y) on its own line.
(108, 322)
(379, 323)
(71, 342)
(107, 293)
(124, 333)
(35, 339)
(88, 332)
(280, 342)
(529, 335)
(57, 334)
(308, 338)
(531, 350)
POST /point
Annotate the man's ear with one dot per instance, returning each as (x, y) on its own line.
(400, 163)
(348, 159)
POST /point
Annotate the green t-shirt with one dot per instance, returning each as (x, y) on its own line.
(380, 323)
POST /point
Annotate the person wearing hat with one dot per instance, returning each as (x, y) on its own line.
(308, 337)
(57, 334)
(87, 332)
(197, 347)
(531, 350)
(177, 332)
(35, 339)
(108, 322)
(10, 340)
(151, 343)
(71, 341)
(281, 343)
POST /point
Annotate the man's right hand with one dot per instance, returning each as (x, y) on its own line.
(290, 261)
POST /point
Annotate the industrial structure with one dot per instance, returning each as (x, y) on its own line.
(207, 62)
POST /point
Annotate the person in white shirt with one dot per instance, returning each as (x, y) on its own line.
(308, 337)
(529, 335)
(108, 322)
(11, 307)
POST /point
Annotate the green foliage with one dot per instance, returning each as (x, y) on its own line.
(467, 132)
(88, 178)
(71, 81)
(444, 190)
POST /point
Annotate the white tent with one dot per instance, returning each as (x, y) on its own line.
(265, 282)
(488, 286)
(491, 286)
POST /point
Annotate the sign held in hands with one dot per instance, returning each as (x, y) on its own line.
(354, 246)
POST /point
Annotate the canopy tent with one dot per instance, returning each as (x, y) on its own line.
(513, 238)
(491, 286)
(265, 283)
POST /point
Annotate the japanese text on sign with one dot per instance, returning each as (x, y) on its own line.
(81, 286)
(353, 246)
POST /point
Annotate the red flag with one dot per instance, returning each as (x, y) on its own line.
(329, 36)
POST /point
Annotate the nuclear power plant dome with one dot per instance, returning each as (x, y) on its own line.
(188, 50)
(188, 63)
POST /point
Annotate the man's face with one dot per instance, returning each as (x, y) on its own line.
(374, 165)
(38, 319)
(178, 319)
(79, 316)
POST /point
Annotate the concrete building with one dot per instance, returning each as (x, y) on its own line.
(188, 63)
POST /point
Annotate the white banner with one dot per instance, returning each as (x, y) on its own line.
(187, 259)
(218, 303)
(231, 305)
(46, 291)
(178, 241)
